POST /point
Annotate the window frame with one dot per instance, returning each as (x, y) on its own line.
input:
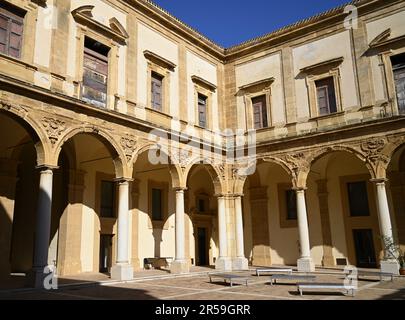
(99, 57)
(10, 18)
(262, 124)
(155, 75)
(164, 187)
(114, 199)
(285, 223)
(349, 198)
(321, 71)
(327, 96)
(112, 81)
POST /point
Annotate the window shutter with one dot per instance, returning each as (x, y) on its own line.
(15, 39)
(95, 77)
(3, 34)
(202, 111)
(260, 119)
(322, 93)
(257, 115)
(157, 84)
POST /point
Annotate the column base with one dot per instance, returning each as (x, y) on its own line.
(179, 267)
(122, 272)
(224, 264)
(390, 266)
(39, 279)
(305, 265)
(240, 263)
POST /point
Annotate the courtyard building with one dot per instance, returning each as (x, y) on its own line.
(127, 138)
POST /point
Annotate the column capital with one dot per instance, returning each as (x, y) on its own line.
(229, 196)
(180, 189)
(123, 180)
(379, 181)
(45, 167)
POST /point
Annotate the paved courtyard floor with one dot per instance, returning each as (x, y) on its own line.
(159, 285)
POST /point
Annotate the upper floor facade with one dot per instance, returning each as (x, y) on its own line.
(131, 58)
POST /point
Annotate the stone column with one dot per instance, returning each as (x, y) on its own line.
(122, 270)
(304, 263)
(42, 229)
(180, 264)
(223, 262)
(389, 264)
(240, 262)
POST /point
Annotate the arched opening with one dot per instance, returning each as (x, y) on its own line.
(153, 212)
(201, 207)
(85, 206)
(18, 194)
(342, 212)
(270, 219)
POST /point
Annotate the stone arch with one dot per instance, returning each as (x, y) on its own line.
(322, 152)
(122, 170)
(34, 130)
(216, 172)
(174, 170)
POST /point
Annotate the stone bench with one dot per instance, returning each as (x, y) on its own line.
(328, 286)
(381, 275)
(230, 277)
(275, 277)
(157, 263)
(273, 270)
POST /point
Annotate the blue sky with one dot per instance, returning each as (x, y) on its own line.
(232, 22)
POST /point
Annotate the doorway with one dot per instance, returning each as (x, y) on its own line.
(105, 253)
(364, 247)
(202, 247)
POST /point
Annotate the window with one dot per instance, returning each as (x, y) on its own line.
(398, 67)
(107, 199)
(11, 31)
(202, 110)
(95, 73)
(325, 90)
(259, 112)
(202, 203)
(157, 212)
(291, 204)
(157, 86)
(358, 199)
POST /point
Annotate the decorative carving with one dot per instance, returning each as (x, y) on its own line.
(54, 128)
(129, 143)
(373, 148)
(5, 105)
(181, 157)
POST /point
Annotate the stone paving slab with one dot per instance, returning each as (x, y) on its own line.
(198, 287)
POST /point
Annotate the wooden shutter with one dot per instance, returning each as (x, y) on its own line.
(259, 112)
(11, 31)
(323, 97)
(399, 76)
(202, 111)
(326, 96)
(95, 77)
(157, 83)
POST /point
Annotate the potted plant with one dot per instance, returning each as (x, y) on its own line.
(392, 250)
